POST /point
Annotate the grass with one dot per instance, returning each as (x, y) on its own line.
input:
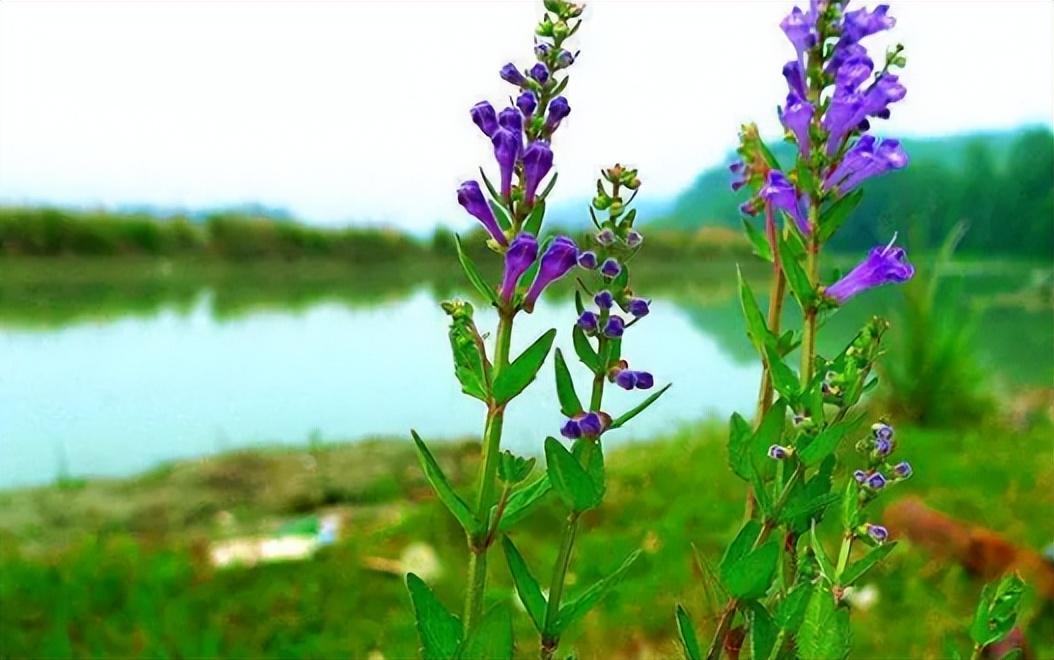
(118, 567)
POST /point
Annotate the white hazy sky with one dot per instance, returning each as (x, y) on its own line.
(342, 111)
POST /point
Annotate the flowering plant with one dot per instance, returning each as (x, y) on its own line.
(785, 591)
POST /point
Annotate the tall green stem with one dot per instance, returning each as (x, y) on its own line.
(812, 265)
(777, 292)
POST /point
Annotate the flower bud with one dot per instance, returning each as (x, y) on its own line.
(537, 161)
(559, 108)
(875, 481)
(610, 268)
(541, 50)
(510, 74)
(519, 257)
(634, 238)
(604, 299)
(877, 532)
(860, 476)
(626, 379)
(507, 145)
(527, 103)
(511, 119)
(590, 424)
(539, 72)
(564, 59)
(589, 322)
(605, 237)
(484, 117)
(638, 307)
(471, 198)
(645, 380)
(902, 470)
(571, 430)
(778, 453)
(588, 260)
(614, 328)
(560, 257)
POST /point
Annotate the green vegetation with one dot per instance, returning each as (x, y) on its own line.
(119, 567)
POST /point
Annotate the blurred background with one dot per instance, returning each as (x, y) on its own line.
(224, 231)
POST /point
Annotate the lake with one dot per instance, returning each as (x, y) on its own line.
(108, 373)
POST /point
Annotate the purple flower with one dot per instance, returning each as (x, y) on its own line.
(795, 76)
(559, 108)
(483, 116)
(885, 90)
(876, 481)
(862, 23)
(560, 257)
(541, 50)
(519, 257)
(860, 476)
(614, 328)
(634, 238)
(854, 70)
(864, 161)
(537, 161)
(589, 322)
(610, 268)
(638, 307)
(507, 145)
(509, 73)
(605, 236)
(626, 379)
(778, 453)
(587, 260)
(571, 430)
(800, 28)
(564, 59)
(781, 193)
(882, 430)
(590, 424)
(645, 380)
(849, 109)
(877, 532)
(883, 446)
(796, 118)
(471, 197)
(511, 119)
(527, 102)
(539, 72)
(604, 299)
(883, 265)
(902, 470)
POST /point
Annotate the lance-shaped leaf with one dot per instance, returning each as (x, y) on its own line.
(549, 186)
(769, 432)
(997, 611)
(796, 277)
(686, 631)
(756, 328)
(638, 409)
(783, 377)
(851, 512)
(491, 639)
(439, 630)
(500, 214)
(857, 570)
(824, 444)
(763, 630)
(791, 610)
(824, 633)
(533, 224)
(578, 607)
(523, 501)
(739, 437)
(569, 479)
(832, 218)
(517, 375)
(750, 576)
(826, 567)
(594, 464)
(473, 275)
(443, 489)
(570, 405)
(758, 240)
(585, 351)
(526, 586)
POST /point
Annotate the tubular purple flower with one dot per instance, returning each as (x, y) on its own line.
(638, 307)
(587, 260)
(610, 268)
(537, 161)
(614, 328)
(604, 299)
(571, 430)
(471, 197)
(510, 74)
(519, 257)
(863, 23)
(511, 119)
(507, 145)
(589, 322)
(864, 161)
(885, 90)
(795, 76)
(559, 108)
(781, 193)
(539, 72)
(590, 424)
(796, 118)
(560, 257)
(626, 379)
(849, 110)
(483, 115)
(883, 265)
(877, 532)
(645, 380)
(853, 71)
(527, 103)
(800, 29)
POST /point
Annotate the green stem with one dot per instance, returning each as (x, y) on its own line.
(777, 292)
(550, 639)
(977, 650)
(812, 264)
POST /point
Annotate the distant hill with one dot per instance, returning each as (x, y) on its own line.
(1001, 183)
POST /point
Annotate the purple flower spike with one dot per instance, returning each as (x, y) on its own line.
(560, 257)
(509, 73)
(471, 197)
(604, 299)
(883, 265)
(877, 532)
(507, 145)
(614, 328)
(902, 470)
(539, 72)
(638, 307)
(537, 161)
(610, 268)
(588, 260)
(645, 381)
(527, 103)
(876, 481)
(571, 430)
(634, 238)
(800, 28)
(605, 237)
(626, 379)
(559, 108)
(796, 118)
(860, 476)
(590, 424)
(520, 256)
(863, 23)
(781, 193)
(778, 453)
(483, 115)
(589, 322)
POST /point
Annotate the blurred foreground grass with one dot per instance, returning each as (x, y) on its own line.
(121, 567)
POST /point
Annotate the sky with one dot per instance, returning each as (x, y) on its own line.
(357, 112)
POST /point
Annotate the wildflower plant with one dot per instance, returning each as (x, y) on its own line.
(784, 590)
(512, 213)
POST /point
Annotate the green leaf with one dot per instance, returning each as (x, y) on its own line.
(472, 273)
(770, 432)
(517, 375)
(824, 633)
(443, 489)
(997, 611)
(500, 214)
(578, 607)
(689, 641)
(513, 469)
(526, 586)
(466, 346)
(763, 630)
(835, 215)
(593, 464)
(739, 437)
(523, 501)
(491, 639)
(855, 571)
(826, 567)
(751, 576)
(756, 328)
(791, 610)
(808, 505)
(618, 285)
(741, 545)
(851, 505)
(490, 186)
(570, 405)
(439, 630)
(796, 277)
(533, 224)
(824, 444)
(783, 377)
(585, 351)
(569, 479)
(638, 409)
(758, 240)
(549, 186)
